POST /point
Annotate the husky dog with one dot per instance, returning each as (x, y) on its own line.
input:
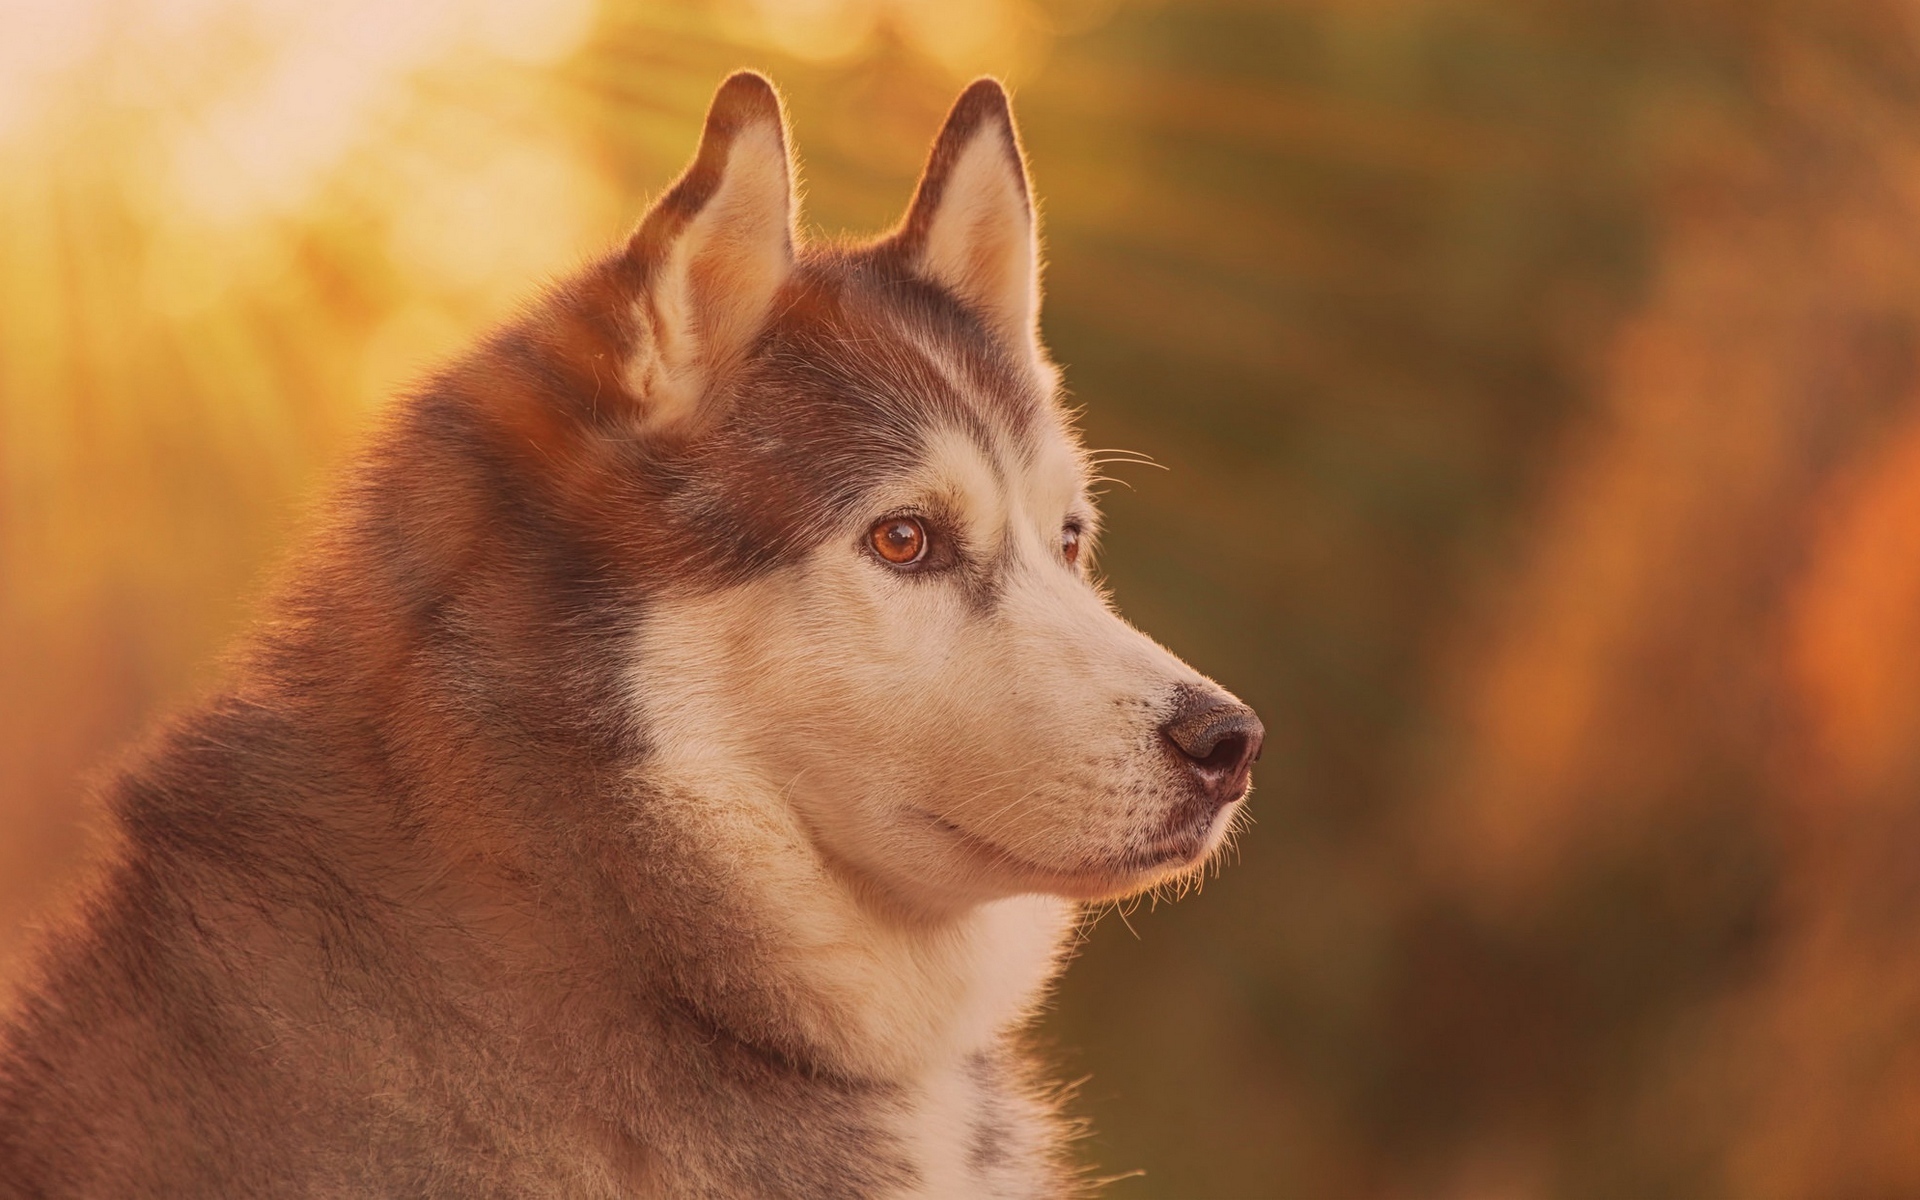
(675, 769)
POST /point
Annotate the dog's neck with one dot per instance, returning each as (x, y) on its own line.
(845, 980)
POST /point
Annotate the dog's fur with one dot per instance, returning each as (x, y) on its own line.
(596, 813)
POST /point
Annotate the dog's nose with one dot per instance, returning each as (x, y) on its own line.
(1216, 738)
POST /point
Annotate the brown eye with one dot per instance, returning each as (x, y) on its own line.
(1070, 545)
(901, 541)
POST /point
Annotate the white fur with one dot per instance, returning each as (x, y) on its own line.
(897, 778)
(897, 996)
(935, 1128)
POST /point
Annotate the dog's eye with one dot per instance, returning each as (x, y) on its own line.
(901, 541)
(1070, 544)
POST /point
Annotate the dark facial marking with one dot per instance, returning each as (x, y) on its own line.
(837, 398)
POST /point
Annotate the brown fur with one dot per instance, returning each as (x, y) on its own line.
(397, 911)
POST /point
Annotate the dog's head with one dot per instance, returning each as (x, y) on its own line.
(873, 535)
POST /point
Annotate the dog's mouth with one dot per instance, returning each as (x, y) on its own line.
(1121, 875)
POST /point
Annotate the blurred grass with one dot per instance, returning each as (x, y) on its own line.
(1536, 387)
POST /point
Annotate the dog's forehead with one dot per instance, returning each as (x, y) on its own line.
(970, 417)
(909, 346)
(866, 364)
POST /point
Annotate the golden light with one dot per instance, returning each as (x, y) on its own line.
(230, 229)
(1540, 397)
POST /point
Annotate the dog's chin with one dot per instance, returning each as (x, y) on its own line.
(1114, 877)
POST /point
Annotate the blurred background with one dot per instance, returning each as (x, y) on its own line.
(1537, 385)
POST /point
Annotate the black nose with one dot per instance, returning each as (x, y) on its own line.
(1216, 738)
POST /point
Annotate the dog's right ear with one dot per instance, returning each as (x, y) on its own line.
(971, 228)
(711, 254)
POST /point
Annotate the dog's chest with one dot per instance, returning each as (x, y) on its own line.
(968, 1134)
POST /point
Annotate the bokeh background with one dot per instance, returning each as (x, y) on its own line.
(1537, 386)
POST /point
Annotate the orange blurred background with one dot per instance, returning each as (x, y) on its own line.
(1538, 384)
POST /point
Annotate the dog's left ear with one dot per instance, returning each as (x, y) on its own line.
(971, 227)
(711, 254)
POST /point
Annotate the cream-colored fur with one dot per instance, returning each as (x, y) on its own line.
(914, 789)
(984, 245)
(930, 1127)
(710, 295)
(853, 741)
(895, 994)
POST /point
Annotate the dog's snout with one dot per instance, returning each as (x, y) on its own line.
(1217, 738)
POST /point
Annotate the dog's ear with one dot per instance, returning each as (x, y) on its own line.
(971, 227)
(711, 254)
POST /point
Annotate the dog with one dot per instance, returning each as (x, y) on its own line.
(677, 765)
